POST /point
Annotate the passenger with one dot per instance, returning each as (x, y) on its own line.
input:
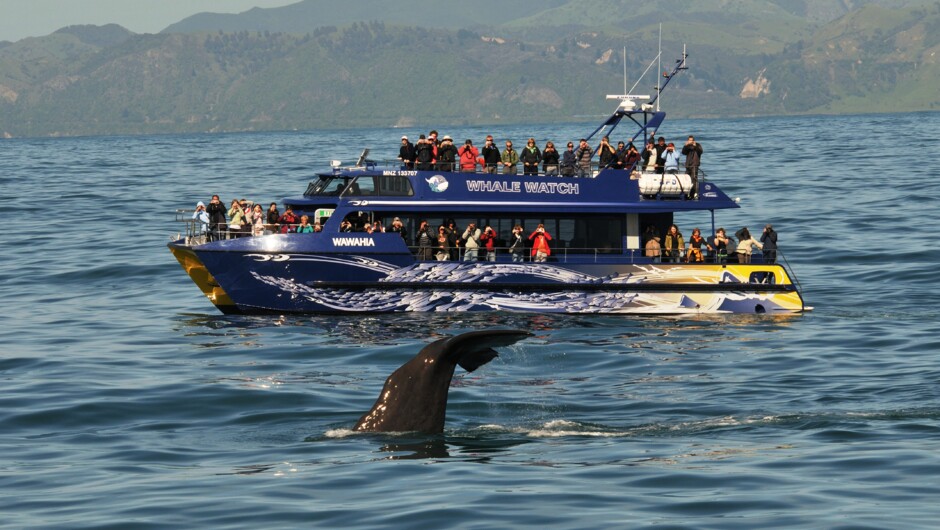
(653, 249)
(606, 153)
(517, 247)
(345, 226)
(398, 228)
(317, 227)
(692, 151)
(619, 156)
(377, 227)
(491, 156)
(550, 160)
(510, 159)
(217, 225)
(468, 157)
(720, 244)
(568, 161)
(631, 157)
(272, 216)
(671, 159)
(530, 157)
(649, 158)
(367, 228)
(649, 234)
(406, 153)
(583, 156)
(471, 238)
(446, 155)
(443, 244)
(424, 154)
(288, 220)
(424, 240)
(453, 239)
(694, 254)
(769, 239)
(540, 248)
(236, 218)
(745, 245)
(488, 240)
(674, 245)
(660, 155)
(257, 220)
(732, 250)
(201, 219)
(305, 227)
(435, 146)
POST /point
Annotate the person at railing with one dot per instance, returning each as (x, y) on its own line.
(406, 153)
(606, 153)
(256, 219)
(305, 227)
(424, 240)
(377, 226)
(453, 238)
(769, 239)
(468, 157)
(653, 249)
(201, 219)
(583, 156)
(692, 151)
(630, 157)
(488, 240)
(471, 239)
(443, 244)
(236, 218)
(216, 211)
(517, 245)
(720, 244)
(619, 155)
(568, 161)
(446, 154)
(398, 228)
(317, 227)
(550, 159)
(660, 154)
(694, 253)
(367, 228)
(510, 159)
(671, 159)
(540, 247)
(491, 156)
(424, 154)
(530, 157)
(745, 244)
(272, 216)
(673, 244)
(287, 220)
(345, 226)
(649, 158)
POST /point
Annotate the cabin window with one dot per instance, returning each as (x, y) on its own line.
(762, 277)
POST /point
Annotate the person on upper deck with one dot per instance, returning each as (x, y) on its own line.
(720, 244)
(550, 159)
(510, 159)
(583, 156)
(446, 154)
(694, 254)
(530, 157)
(649, 158)
(606, 153)
(745, 244)
(491, 156)
(671, 159)
(619, 155)
(424, 154)
(769, 239)
(692, 151)
(406, 153)
(660, 155)
(674, 244)
(216, 211)
(630, 158)
(471, 238)
(468, 157)
(540, 248)
(272, 216)
(568, 161)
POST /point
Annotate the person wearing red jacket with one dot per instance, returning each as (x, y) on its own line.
(488, 239)
(468, 157)
(540, 249)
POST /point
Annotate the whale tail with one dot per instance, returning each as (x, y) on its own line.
(414, 397)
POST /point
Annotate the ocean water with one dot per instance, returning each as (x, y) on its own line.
(128, 401)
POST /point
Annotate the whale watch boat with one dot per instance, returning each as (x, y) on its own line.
(597, 264)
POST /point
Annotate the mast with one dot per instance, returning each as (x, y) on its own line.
(659, 67)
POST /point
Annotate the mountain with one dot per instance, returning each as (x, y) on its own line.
(879, 56)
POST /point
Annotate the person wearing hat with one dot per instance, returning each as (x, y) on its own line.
(406, 153)
(201, 219)
(446, 154)
(468, 157)
(769, 240)
(424, 154)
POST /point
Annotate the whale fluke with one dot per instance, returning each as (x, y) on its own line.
(414, 398)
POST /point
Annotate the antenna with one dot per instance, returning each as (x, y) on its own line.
(625, 70)
(659, 67)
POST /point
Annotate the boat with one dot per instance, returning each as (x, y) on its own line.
(597, 261)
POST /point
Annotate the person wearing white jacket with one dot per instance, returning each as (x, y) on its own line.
(745, 244)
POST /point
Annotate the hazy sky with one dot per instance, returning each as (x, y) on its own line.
(34, 18)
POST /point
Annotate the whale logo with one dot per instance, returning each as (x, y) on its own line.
(438, 183)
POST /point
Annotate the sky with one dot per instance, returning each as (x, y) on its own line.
(35, 18)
